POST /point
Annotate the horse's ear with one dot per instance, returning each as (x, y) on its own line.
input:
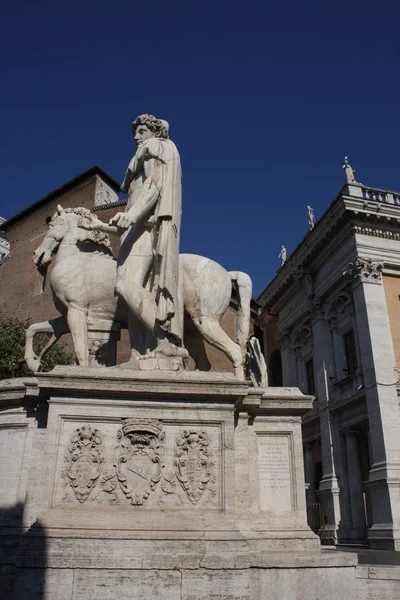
(60, 209)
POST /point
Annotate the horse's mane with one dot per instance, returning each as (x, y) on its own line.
(98, 237)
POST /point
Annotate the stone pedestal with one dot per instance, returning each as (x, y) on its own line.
(102, 341)
(161, 485)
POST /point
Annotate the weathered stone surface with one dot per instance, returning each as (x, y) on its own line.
(159, 485)
(378, 582)
(216, 585)
(125, 585)
(41, 584)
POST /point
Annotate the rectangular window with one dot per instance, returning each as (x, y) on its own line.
(310, 377)
(350, 352)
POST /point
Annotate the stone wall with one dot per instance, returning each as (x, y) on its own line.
(391, 284)
(21, 290)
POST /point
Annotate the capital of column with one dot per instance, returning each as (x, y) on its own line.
(349, 432)
(283, 338)
(364, 271)
(315, 309)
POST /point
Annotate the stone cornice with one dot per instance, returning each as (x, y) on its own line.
(378, 219)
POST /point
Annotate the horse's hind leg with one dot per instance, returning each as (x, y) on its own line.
(56, 327)
(213, 333)
(77, 322)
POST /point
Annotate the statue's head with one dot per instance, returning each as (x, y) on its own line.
(147, 126)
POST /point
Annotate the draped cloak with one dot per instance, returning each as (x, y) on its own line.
(163, 279)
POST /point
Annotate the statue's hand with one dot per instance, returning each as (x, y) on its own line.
(91, 224)
(123, 220)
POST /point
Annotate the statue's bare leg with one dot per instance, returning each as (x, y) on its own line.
(213, 333)
(166, 345)
(135, 261)
(77, 323)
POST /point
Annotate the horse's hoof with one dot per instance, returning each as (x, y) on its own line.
(133, 363)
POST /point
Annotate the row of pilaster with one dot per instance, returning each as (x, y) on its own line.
(379, 380)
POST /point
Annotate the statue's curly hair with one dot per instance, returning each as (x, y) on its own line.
(154, 124)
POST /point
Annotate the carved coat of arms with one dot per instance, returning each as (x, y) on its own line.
(83, 461)
(139, 458)
(193, 463)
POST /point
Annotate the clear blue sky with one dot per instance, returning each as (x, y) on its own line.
(264, 99)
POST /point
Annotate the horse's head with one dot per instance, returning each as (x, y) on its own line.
(67, 223)
(56, 231)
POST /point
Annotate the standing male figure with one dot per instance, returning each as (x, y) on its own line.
(148, 259)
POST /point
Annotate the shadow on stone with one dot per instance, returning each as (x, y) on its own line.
(22, 557)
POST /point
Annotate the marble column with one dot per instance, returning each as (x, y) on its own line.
(328, 487)
(380, 383)
(356, 487)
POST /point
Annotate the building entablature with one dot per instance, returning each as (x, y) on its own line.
(347, 217)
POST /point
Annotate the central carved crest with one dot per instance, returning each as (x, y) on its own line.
(139, 458)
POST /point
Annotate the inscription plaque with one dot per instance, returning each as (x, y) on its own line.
(274, 473)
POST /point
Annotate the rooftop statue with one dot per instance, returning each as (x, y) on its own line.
(349, 171)
(311, 217)
(282, 255)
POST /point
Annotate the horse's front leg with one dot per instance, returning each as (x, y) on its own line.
(77, 323)
(56, 327)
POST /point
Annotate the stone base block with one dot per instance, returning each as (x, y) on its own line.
(54, 569)
(378, 582)
(173, 485)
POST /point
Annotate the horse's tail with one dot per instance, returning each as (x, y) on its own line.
(244, 285)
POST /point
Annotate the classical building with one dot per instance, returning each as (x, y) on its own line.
(331, 320)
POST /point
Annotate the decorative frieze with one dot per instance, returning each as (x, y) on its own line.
(373, 232)
(152, 465)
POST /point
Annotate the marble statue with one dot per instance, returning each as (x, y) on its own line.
(282, 255)
(82, 283)
(84, 279)
(311, 217)
(349, 171)
(148, 269)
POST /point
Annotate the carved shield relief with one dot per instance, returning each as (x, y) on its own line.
(193, 463)
(139, 458)
(84, 461)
